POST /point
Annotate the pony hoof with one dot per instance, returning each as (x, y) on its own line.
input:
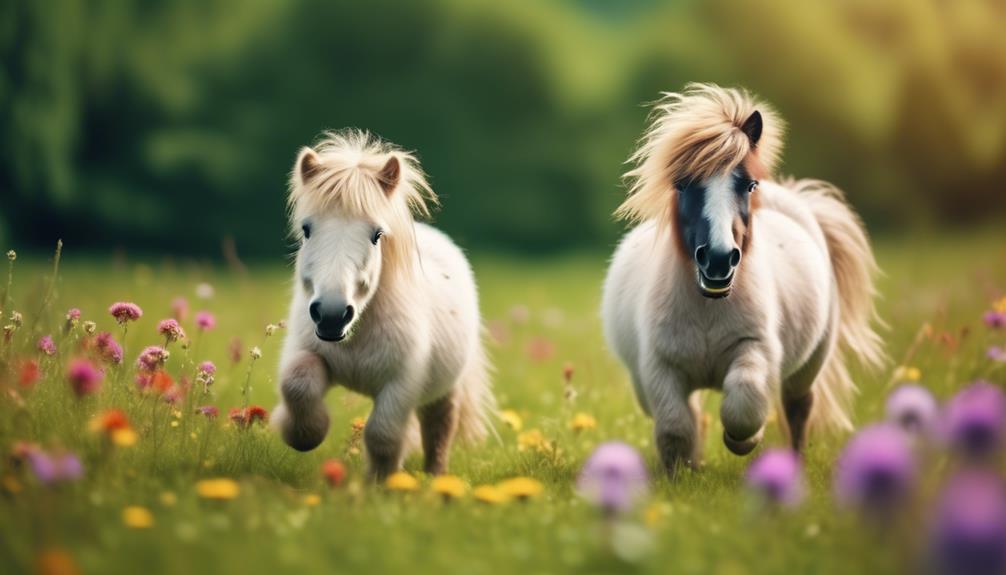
(301, 435)
(745, 446)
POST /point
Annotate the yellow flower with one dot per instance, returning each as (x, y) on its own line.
(582, 421)
(312, 499)
(358, 423)
(907, 373)
(137, 517)
(401, 481)
(449, 486)
(511, 419)
(1000, 305)
(530, 439)
(521, 487)
(168, 499)
(489, 494)
(125, 437)
(220, 488)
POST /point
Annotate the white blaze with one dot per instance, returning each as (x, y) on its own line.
(720, 210)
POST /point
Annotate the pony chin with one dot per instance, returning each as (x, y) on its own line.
(714, 289)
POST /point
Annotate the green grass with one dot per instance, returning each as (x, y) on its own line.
(701, 523)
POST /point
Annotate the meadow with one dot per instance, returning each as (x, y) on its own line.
(142, 502)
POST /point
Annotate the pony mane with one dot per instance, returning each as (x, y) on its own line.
(696, 134)
(346, 177)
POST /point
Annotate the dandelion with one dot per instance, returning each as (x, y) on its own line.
(125, 312)
(401, 481)
(208, 411)
(975, 420)
(334, 472)
(205, 320)
(489, 494)
(245, 417)
(109, 349)
(84, 377)
(28, 373)
(90, 327)
(136, 517)
(220, 488)
(152, 358)
(907, 373)
(530, 439)
(582, 422)
(614, 478)
(170, 330)
(180, 308)
(312, 499)
(876, 471)
(521, 488)
(511, 419)
(46, 345)
(448, 486)
(970, 526)
(913, 408)
(776, 476)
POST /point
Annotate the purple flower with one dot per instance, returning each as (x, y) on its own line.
(995, 319)
(152, 357)
(53, 469)
(207, 367)
(913, 408)
(84, 377)
(614, 478)
(205, 320)
(109, 349)
(171, 330)
(210, 411)
(970, 530)
(124, 312)
(777, 477)
(996, 353)
(46, 345)
(975, 420)
(877, 470)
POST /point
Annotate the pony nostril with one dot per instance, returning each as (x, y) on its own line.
(347, 316)
(315, 310)
(702, 256)
(735, 257)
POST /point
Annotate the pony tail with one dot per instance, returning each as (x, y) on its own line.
(854, 269)
(476, 403)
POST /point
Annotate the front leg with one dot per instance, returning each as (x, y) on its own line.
(438, 422)
(384, 435)
(746, 399)
(675, 425)
(301, 418)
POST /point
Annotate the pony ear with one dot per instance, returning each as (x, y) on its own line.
(752, 127)
(389, 175)
(307, 164)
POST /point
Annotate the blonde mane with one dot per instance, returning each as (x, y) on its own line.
(696, 134)
(347, 177)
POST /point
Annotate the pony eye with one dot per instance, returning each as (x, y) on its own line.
(752, 186)
(378, 234)
(306, 228)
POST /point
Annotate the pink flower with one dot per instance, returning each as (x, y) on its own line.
(124, 312)
(995, 319)
(152, 357)
(205, 320)
(46, 345)
(109, 349)
(996, 353)
(180, 308)
(210, 411)
(170, 329)
(84, 377)
(207, 367)
(73, 314)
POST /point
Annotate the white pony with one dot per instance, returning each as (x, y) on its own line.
(734, 281)
(382, 305)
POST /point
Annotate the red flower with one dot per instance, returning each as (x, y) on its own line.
(333, 471)
(29, 373)
(244, 418)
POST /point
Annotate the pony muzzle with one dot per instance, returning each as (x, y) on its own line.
(331, 321)
(714, 288)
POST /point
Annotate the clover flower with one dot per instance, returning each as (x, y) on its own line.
(84, 377)
(170, 330)
(125, 312)
(913, 408)
(46, 345)
(970, 528)
(877, 470)
(152, 357)
(975, 420)
(776, 476)
(995, 319)
(614, 478)
(209, 411)
(205, 320)
(108, 348)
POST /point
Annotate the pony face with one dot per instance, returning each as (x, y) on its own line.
(338, 267)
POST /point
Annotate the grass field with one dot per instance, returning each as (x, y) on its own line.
(543, 314)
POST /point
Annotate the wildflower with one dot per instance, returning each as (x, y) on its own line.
(245, 417)
(1000, 305)
(54, 469)
(84, 377)
(876, 471)
(334, 472)
(108, 348)
(530, 439)
(11, 255)
(975, 420)
(234, 349)
(540, 349)
(220, 488)
(29, 373)
(204, 291)
(170, 330)
(255, 353)
(996, 353)
(614, 478)
(205, 320)
(90, 327)
(401, 481)
(180, 308)
(776, 476)
(913, 408)
(312, 499)
(582, 422)
(136, 517)
(489, 494)
(55, 561)
(270, 329)
(522, 488)
(995, 319)
(970, 526)
(511, 419)
(567, 372)
(907, 373)
(152, 357)
(208, 411)
(16, 319)
(125, 312)
(158, 382)
(207, 367)
(46, 345)
(448, 486)
(72, 319)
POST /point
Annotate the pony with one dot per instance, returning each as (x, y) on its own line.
(735, 281)
(381, 304)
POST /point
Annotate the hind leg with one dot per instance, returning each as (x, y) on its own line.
(438, 422)
(798, 394)
(302, 418)
(797, 415)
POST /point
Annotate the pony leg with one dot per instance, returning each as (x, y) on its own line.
(745, 401)
(797, 415)
(301, 418)
(675, 429)
(384, 434)
(438, 422)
